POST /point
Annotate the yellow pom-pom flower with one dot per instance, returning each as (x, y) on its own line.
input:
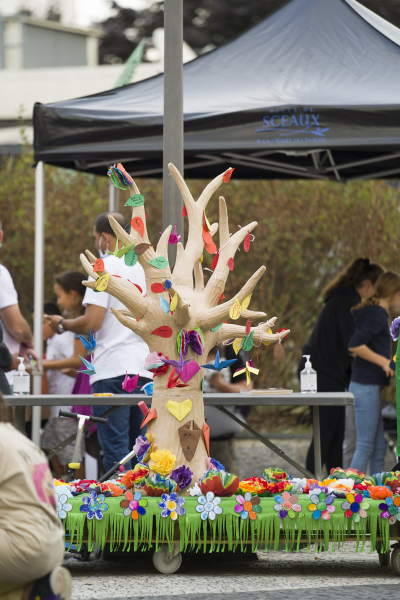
(163, 461)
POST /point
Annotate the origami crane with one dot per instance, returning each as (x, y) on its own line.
(90, 370)
(248, 369)
(174, 237)
(218, 366)
(129, 383)
(120, 252)
(89, 344)
(178, 364)
(173, 381)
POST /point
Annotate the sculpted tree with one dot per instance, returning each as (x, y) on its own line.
(197, 305)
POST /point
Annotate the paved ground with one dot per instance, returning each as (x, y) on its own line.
(323, 576)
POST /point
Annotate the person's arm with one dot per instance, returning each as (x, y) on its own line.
(16, 324)
(371, 356)
(72, 362)
(92, 319)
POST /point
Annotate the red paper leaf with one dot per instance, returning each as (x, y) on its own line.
(246, 244)
(164, 331)
(214, 261)
(248, 326)
(227, 175)
(206, 435)
(117, 276)
(184, 211)
(157, 288)
(283, 337)
(231, 264)
(98, 265)
(222, 298)
(207, 235)
(138, 225)
(138, 287)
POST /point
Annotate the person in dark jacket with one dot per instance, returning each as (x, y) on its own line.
(6, 364)
(371, 344)
(327, 347)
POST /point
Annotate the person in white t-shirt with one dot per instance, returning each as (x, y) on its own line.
(17, 335)
(118, 350)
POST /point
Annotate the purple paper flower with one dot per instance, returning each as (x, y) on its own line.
(182, 476)
(141, 447)
(394, 329)
(214, 465)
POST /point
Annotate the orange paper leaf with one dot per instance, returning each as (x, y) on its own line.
(138, 225)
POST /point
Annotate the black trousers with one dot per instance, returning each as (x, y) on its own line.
(332, 420)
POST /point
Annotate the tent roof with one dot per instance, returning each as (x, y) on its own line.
(311, 91)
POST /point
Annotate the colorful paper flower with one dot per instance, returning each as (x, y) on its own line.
(339, 473)
(94, 506)
(62, 505)
(143, 447)
(274, 475)
(394, 329)
(172, 506)
(163, 461)
(322, 504)
(379, 492)
(247, 506)
(214, 465)
(133, 505)
(254, 485)
(183, 476)
(355, 507)
(157, 485)
(135, 476)
(287, 505)
(391, 479)
(220, 483)
(208, 506)
(390, 509)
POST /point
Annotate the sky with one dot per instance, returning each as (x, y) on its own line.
(75, 13)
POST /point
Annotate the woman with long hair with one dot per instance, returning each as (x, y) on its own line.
(372, 369)
(327, 347)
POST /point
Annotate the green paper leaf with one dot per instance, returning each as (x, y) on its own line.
(247, 342)
(135, 200)
(131, 257)
(216, 328)
(159, 263)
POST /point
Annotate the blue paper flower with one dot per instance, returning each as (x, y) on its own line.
(94, 506)
(208, 506)
(394, 329)
(172, 506)
(62, 505)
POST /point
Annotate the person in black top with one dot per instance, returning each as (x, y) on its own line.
(373, 367)
(7, 362)
(327, 347)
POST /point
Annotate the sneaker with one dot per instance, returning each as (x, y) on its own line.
(54, 586)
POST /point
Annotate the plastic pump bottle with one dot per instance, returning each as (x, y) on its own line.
(308, 377)
(22, 380)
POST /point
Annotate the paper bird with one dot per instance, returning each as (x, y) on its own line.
(148, 388)
(173, 380)
(218, 366)
(90, 368)
(248, 369)
(178, 364)
(120, 253)
(129, 383)
(174, 237)
(89, 344)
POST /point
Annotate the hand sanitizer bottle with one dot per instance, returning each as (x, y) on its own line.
(308, 377)
(22, 380)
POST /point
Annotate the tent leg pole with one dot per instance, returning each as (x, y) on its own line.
(38, 293)
(173, 116)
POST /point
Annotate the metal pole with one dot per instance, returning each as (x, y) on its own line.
(112, 198)
(38, 293)
(173, 116)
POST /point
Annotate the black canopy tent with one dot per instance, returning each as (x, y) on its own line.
(312, 91)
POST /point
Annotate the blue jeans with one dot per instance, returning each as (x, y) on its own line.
(370, 444)
(118, 437)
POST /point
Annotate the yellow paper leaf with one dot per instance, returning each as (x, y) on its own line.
(237, 344)
(179, 411)
(246, 302)
(201, 258)
(102, 283)
(268, 343)
(174, 302)
(207, 222)
(248, 378)
(235, 310)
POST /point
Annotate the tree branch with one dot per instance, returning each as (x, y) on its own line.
(212, 317)
(137, 327)
(182, 313)
(229, 331)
